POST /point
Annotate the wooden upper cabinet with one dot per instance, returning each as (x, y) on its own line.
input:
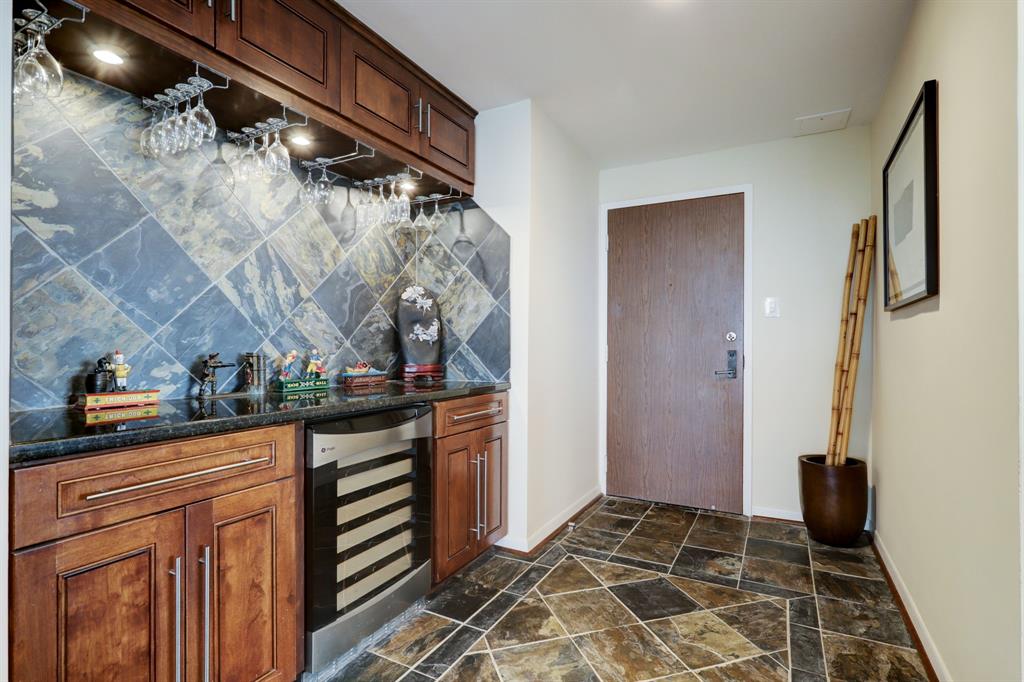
(449, 136)
(242, 552)
(379, 93)
(101, 606)
(297, 42)
(194, 17)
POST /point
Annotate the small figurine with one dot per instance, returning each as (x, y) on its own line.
(210, 366)
(97, 380)
(290, 366)
(121, 371)
(314, 365)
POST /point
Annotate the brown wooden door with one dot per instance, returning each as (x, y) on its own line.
(193, 17)
(253, 585)
(455, 510)
(379, 93)
(492, 445)
(675, 291)
(100, 606)
(297, 42)
(449, 136)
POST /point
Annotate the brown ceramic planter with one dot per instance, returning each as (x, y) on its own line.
(834, 499)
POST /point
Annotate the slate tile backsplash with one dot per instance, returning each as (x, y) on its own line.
(169, 260)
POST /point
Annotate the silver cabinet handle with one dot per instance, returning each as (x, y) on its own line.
(177, 618)
(205, 561)
(428, 120)
(493, 412)
(209, 3)
(483, 458)
(419, 111)
(231, 11)
(172, 479)
(477, 463)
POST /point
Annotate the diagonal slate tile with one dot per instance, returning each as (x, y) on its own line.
(529, 621)
(31, 263)
(414, 638)
(630, 652)
(701, 639)
(568, 576)
(652, 599)
(554, 660)
(308, 247)
(264, 289)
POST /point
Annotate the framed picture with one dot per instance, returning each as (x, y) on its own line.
(910, 193)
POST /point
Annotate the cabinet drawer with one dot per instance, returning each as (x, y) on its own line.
(466, 414)
(61, 499)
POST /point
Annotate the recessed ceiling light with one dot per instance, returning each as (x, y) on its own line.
(301, 140)
(108, 56)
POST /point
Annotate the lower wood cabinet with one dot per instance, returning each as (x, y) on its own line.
(205, 591)
(470, 496)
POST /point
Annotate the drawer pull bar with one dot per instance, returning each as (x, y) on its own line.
(172, 479)
(493, 412)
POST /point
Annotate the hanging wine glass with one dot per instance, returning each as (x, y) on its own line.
(54, 74)
(307, 193)
(324, 188)
(347, 219)
(437, 219)
(201, 113)
(278, 158)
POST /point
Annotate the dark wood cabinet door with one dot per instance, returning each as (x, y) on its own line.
(297, 42)
(100, 606)
(449, 135)
(242, 554)
(380, 94)
(194, 17)
(455, 499)
(493, 448)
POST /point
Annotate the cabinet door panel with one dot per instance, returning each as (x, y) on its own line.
(494, 485)
(99, 606)
(194, 17)
(379, 93)
(450, 136)
(297, 42)
(253, 584)
(455, 490)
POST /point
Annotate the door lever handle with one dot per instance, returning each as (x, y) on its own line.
(731, 373)
(730, 363)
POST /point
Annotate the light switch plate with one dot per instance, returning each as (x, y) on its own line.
(771, 307)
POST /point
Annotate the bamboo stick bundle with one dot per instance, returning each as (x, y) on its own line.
(864, 283)
(844, 318)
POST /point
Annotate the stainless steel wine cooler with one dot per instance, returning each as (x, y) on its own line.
(367, 497)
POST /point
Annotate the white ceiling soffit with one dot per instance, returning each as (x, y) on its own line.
(640, 80)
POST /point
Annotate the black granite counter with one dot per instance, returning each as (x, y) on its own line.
(38, 435)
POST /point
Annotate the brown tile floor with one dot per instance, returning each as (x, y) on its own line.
(643, 591)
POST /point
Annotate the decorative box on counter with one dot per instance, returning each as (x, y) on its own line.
(117, 399)
(363, 376)
(117, 416)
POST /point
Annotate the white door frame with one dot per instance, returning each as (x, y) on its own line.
(748, 328)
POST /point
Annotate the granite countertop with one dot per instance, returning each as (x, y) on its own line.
(38, 435)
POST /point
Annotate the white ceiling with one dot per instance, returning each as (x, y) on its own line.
(634, 81)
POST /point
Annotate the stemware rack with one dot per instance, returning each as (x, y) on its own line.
(192, 87)
(41, 22)
(362, 151)
(269, 126)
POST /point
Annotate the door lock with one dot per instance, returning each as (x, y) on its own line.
(730, 371)
(731, 336)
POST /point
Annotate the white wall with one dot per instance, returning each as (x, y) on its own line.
(945, 423)
(807, 192)
(543, 191)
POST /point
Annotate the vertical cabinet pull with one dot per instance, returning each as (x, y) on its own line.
(231, 10)
(177, 618)
(428, 120)
(209, 3)
(483, 457)
(476, 461)
(419, 114)
(205, 561)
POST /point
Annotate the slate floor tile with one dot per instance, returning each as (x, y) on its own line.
(856, 563)
(459, 598)
(861, 620)
(568, 576)
(495, 571)
(705, 564)
(770, 590)
(652, 599)
(805, 649)
(701, 639)
(778, 551)
(637, 563)
(656, 530)
(713, 596)
(779, 532)
(444, 656)
(529, 621)
(625, 507)
(646, 549)
(671, 514)
(722, 523)
(529, 579)
(555, 660)
(614, 574)
(709, 539)
(779, 574)
(609, 522)
(590, 610)
(863, 590)
(473, 668)
(804, 611)
(627, 653)
(762, 669)
(552, 556)
(412, 640)
(763, 623)
(597, 540)
(849, 659)
(494, 610)
(368, 667)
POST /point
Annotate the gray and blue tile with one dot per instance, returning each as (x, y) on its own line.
(264, 288)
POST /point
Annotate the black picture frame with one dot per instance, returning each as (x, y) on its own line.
(926, 104)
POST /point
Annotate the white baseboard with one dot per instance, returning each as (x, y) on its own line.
(934, 657)
(525, 544)
(786, 514)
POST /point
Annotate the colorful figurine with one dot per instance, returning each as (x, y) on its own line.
(290, 366)
(209, 382)
(314, 365)
(121, 372)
